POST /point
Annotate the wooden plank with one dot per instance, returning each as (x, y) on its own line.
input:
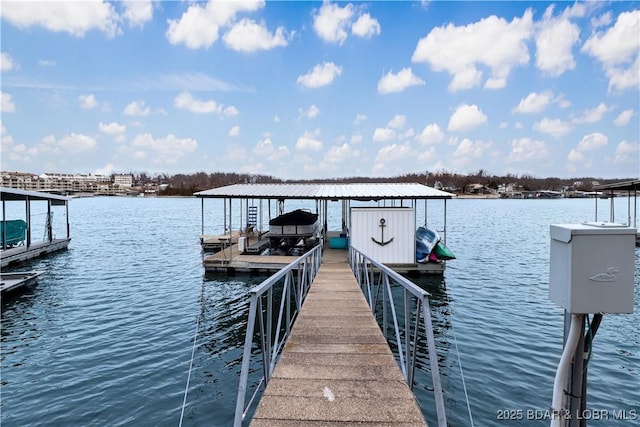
(336, 368)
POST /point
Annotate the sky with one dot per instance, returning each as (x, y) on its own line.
(300, 89)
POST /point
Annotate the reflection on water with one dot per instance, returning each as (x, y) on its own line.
(105, 337)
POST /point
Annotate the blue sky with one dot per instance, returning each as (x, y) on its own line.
(321, 89)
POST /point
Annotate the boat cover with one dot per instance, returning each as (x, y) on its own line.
(14, 231)
(297, 217)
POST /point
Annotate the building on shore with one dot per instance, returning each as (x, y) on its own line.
(59, 183)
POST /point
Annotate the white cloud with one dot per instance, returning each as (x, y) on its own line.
(75, 18)
(137, 108)
(431, 134)
(527, 150)
(534, 103)
(398, 82)
(356, 139)
(466, 117)
(311, 113)
(492, 42)
(593, 141)
(137, 12)
(112, 128)
(383, 134)
(591, 116)
(106, 170)
(554, 42)
(73, 143)
(321, 75)
(624, 118)
(234, 131)
(276, 119)
(393, 158)
(87, 102)
(575, 156)
(263, 148)
(628, 152)
(469, 148)
(407, 134)
(331, 22)
(397, 122)
(166, 151)
(341, 153)
(618, 50)
(366, 26)
(309, 142)
(554, 127)
(249, 36)
(230, 111)
(186, 101)
(360, 118)
(6, 63)
(6, 103)
(602, 20)
(199, 26)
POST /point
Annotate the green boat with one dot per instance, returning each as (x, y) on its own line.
(443, 252)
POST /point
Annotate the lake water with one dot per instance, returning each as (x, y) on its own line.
(105, 337)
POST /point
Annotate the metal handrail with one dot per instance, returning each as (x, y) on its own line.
(364, 268)
(296, 279)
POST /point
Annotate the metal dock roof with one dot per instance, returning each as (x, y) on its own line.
(7, 193)
(350, 191)
(624, 185)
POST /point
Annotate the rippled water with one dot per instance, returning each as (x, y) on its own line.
(105, 337)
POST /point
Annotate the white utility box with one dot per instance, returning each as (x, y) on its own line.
(592, 267)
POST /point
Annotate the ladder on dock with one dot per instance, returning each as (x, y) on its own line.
(336, 366)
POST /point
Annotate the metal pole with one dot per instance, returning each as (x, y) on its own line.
(246, 354)
(433, 363)
(49, 220)
(224, 204)
(4, 225)
(28, 207)
(66, 205)
(445, 221)
(577, 375)
(612, 209)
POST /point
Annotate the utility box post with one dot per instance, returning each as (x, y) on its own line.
(591, 271)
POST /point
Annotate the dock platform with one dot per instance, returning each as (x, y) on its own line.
(231, 259)
(12, 281)
(17, 254)
(336, 368)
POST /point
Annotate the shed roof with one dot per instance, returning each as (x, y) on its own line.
(351, 191)
(7, 193)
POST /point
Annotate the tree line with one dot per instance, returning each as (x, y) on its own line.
(187, 184)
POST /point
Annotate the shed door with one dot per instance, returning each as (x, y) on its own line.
(385, 234)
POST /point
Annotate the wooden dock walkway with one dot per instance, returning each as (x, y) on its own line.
(336, 368)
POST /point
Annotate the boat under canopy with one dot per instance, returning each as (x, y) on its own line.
(18, 235)
(389, 203)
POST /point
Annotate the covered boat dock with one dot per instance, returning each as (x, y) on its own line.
(624, 188)
(19, 242)
(250, 209)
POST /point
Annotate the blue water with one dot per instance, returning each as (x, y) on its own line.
(105, 337)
